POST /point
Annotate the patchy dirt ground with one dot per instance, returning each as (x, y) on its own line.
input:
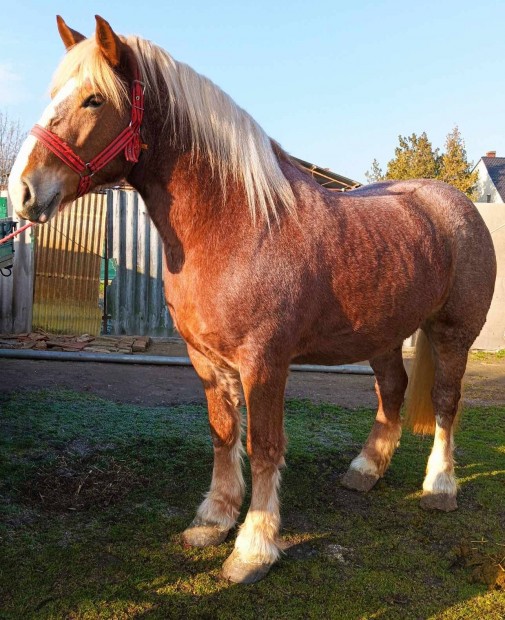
(167, 385)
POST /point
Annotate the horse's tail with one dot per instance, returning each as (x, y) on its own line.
(419, 413)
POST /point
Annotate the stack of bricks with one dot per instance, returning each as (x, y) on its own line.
(41, 340)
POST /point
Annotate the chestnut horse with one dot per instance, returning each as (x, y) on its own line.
(264, 267)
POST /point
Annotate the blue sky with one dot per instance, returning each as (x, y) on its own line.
(334, 82)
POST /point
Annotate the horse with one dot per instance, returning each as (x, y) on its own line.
(264, 267)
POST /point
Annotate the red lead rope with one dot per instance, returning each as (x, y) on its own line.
(16, 233)
(128, 140)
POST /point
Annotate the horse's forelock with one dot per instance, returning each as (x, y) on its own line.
(85, 63)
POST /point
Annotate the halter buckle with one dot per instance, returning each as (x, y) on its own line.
(87, 172)
(142, 84)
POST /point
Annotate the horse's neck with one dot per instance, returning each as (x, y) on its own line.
(187, 204)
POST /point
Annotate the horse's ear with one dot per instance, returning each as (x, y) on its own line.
(69, 36)
(108, 41)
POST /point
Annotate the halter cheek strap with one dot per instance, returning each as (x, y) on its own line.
(128, 141)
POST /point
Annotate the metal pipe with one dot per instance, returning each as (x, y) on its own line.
(159, 360)
(105, 318)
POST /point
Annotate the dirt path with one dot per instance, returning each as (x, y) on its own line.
(163, 385)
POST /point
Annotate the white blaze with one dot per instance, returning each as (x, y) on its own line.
(16, 187)
(50, 112)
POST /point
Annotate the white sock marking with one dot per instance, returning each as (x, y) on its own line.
(364, 465)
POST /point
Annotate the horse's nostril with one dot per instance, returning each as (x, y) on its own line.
(27, 195)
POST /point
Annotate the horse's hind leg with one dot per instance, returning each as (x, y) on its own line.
(450, 351)
(375, 456)
(219, 511)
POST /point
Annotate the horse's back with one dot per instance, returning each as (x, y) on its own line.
(398, 253)
(452, 216)
(447, 206)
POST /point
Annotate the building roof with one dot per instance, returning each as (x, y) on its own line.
(327, 178)
(496, 169)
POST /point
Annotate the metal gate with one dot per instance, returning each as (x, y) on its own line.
(68, 253)
(135, 298)
(72, 290)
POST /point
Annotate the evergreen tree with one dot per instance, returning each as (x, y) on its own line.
(375, 174)
(455, 168)
(414, 159)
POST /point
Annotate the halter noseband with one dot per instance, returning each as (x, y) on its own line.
(128, 140)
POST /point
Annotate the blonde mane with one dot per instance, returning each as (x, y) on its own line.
(233, 143)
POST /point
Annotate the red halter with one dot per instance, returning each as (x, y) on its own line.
(128, 139)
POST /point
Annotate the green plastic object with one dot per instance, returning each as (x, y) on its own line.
(3, 208)
(7, 248)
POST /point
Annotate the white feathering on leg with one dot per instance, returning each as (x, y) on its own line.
(256, 541)
(440, 469)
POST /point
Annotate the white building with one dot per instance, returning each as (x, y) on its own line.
(491, 182)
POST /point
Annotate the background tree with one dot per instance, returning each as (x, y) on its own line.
(375, 174)
(11, 138)
(454, 166)
(414, 159)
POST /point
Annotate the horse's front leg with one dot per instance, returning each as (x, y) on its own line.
(219, 510)
(256, 547)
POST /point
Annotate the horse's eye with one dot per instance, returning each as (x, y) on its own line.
(93, 101)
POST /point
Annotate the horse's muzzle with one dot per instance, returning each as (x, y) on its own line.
(33, 208)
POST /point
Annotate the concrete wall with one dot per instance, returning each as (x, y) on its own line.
(492, 336)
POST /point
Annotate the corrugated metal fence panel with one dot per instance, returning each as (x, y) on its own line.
(16, 291)
(68, 254)
(135, 299)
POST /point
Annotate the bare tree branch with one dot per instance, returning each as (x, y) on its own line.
(11, 138)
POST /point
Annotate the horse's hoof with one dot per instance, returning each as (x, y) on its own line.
(201, 534)
(439, 501)
(358, 481)
(238, 571)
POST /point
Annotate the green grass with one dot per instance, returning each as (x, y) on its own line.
(487, 356)
(113, 549)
